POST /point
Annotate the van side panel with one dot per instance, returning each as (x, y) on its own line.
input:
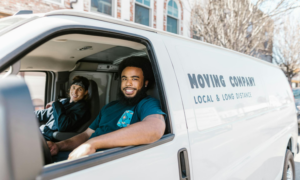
(282, 113)
(231, 125)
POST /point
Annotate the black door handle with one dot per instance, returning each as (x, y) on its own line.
(183, 164)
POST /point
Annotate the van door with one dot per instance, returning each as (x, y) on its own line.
(164, 159)
(20, 143)
(226, 111)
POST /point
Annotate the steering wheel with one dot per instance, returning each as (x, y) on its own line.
(46, 151)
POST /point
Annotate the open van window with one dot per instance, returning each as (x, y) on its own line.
(96, 58)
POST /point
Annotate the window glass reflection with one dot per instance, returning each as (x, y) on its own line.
(172, 25)
(147, 2)
(102, 6)
(172, 8)
(175, 10)
(141, 15)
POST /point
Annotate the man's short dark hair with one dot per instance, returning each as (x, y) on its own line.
(139, 62)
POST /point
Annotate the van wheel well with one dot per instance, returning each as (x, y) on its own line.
(289, 146)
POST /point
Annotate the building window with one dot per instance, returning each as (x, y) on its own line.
(172, 17)
(102, 6)
(142, 12)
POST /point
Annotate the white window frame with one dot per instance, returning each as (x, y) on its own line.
(150, 12)
(113, 9)
(177, 18)
(54, 2)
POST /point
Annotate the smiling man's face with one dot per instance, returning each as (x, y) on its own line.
(132, 80)
(77, 93)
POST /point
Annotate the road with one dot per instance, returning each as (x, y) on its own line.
(297, 162)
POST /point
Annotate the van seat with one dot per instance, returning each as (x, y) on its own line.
(153, 91)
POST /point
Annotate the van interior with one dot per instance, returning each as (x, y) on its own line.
(48, 71)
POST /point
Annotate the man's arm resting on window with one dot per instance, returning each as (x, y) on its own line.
(147, 131)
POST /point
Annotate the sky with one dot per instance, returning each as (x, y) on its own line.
(271, 4)
(294, 16)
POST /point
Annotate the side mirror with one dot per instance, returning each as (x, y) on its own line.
(20, 146)
(23, 12)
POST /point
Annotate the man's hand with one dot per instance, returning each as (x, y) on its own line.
(82, 150)
(53, 148)
(49, 104)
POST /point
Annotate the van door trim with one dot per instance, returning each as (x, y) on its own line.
(95, 159)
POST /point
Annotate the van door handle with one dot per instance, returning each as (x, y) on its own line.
(183, 164)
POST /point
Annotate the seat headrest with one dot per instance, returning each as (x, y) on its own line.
(153, 92)
(93, 89)
(94, 99)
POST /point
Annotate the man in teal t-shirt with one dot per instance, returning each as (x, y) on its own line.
(116, 115)
(135, 119)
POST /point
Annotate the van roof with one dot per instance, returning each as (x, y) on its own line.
(107, 18)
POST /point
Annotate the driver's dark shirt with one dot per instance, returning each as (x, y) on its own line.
(116, 115)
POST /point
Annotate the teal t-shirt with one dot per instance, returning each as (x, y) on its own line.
(115, 115)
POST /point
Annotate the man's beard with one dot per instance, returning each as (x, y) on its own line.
(140, 94)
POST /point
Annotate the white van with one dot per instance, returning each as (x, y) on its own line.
(229, 116)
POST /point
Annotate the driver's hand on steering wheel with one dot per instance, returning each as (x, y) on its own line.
(52, 147)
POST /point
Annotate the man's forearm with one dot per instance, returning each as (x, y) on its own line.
(145, 132)
(72, 143)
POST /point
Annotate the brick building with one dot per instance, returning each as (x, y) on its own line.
(167, 15)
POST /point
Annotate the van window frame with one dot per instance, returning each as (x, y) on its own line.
(68, 167)
(50, 76)
(46, 83)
